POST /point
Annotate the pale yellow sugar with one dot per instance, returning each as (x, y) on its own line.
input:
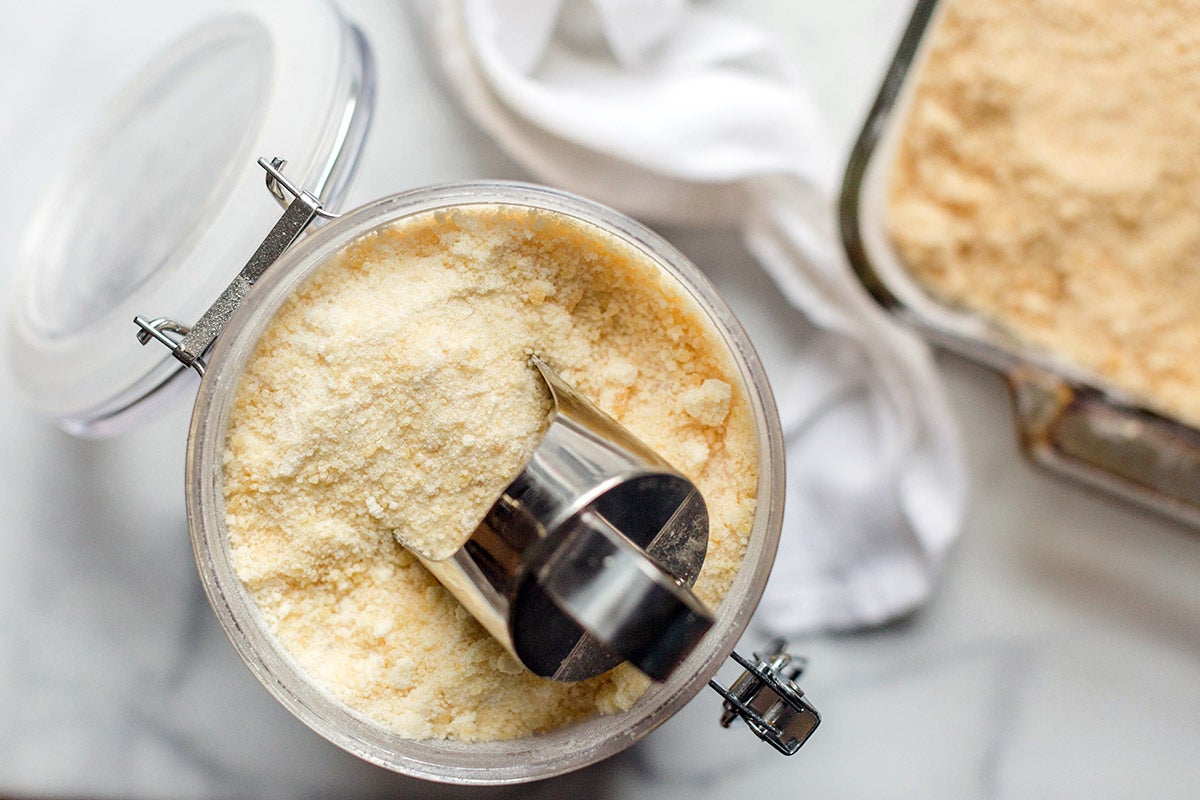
(1047, 179)
(392, 397)
(708, 403)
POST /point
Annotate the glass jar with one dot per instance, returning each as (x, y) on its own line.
(530, 758)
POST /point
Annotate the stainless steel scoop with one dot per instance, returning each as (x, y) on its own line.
(587, 557)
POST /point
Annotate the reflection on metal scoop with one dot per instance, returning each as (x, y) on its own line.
(587, 557)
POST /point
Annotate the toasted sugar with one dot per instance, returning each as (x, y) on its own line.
(391, 396)
(1042, 181)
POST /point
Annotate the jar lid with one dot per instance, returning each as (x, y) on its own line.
(163, 202)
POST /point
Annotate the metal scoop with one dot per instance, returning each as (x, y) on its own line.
(587, 557)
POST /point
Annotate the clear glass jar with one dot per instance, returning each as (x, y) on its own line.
(525, 759)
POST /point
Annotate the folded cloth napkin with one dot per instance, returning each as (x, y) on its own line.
(680, 115)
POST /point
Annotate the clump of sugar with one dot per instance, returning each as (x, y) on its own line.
(1039, 182)
(708, 403)
(391, 400)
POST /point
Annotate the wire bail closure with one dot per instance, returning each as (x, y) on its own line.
(194, 341)
(767, 698)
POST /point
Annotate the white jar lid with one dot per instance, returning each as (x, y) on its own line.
(163, 203)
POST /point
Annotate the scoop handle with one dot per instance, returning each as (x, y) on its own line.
(613, 590)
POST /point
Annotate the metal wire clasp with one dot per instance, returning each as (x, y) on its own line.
(195, 340)
(768, 699)
(278, 185)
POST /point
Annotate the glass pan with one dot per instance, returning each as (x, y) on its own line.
(1068, 419)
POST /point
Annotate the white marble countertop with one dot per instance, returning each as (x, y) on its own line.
(1059, 658)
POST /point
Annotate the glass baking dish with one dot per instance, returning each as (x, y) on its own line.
(1068, 418)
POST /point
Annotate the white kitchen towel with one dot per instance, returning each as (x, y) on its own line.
(677, 114)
